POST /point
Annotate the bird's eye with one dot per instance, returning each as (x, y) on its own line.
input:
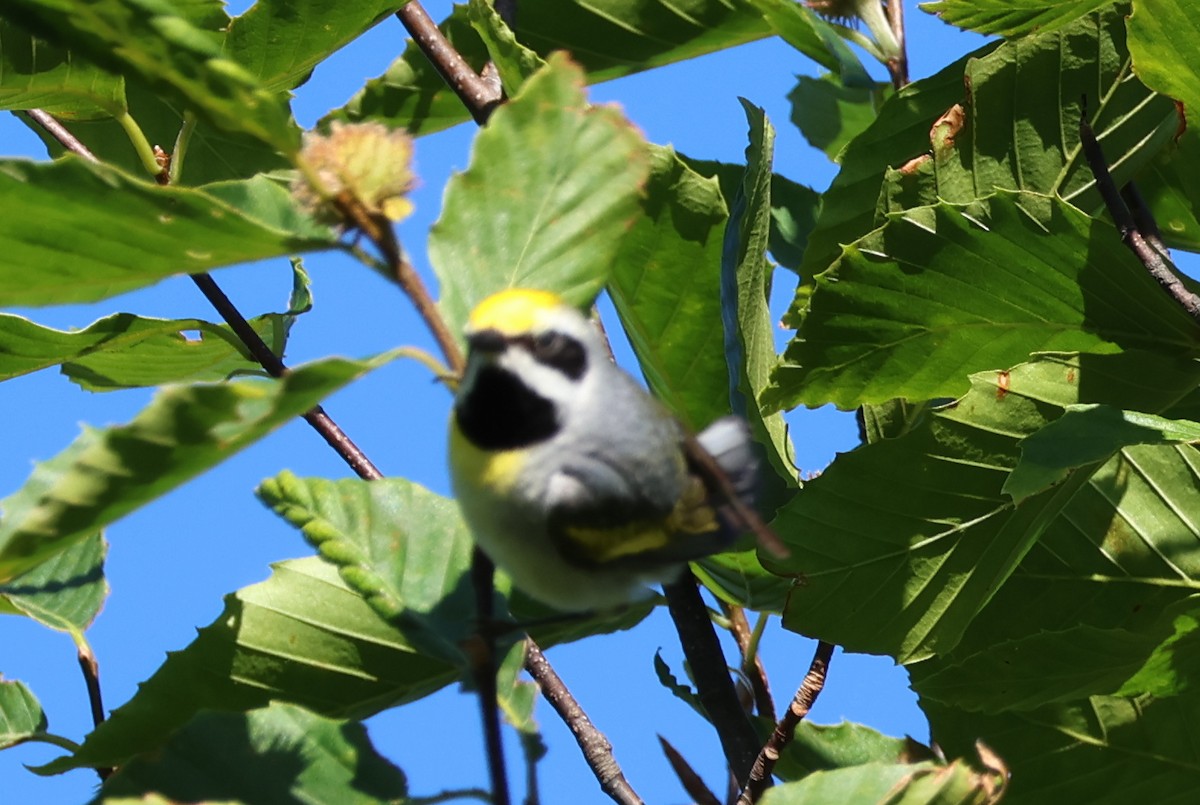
(560, 351)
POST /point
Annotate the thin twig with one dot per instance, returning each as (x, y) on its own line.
(714, 687)
(802, 702)
(595, 747)
(898, 67)
(1143, 219)
(91, 679)
(752, 664)
(688, 778)
(1131, 235)
(378, 230)
(479, 96)
(483, 669)
(59, 132)
(334, 436)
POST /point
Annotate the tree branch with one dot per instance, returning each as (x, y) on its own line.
(59, 132)
(479, 96)
(595, 747)
(1136, 238)
(802, 702)
(714, 687)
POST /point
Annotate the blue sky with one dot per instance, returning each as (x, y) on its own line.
(170, 563)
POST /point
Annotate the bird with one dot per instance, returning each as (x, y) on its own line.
(573, 479)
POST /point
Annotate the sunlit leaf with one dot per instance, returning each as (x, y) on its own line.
(150, 39)
(36, 75)
(283, 753)
(51, 205)
(905, 569)
(609, 40)
(937, 293)
(65, 592)
(21, 715)
(552, 186)
(1012, 18)
(302, 636)
(185, 430)
(1162, 37)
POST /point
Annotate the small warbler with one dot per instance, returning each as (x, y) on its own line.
(573, 479)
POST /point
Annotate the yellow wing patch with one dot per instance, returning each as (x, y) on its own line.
(691, 516)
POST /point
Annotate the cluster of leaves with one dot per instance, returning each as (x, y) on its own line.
(1027, 550)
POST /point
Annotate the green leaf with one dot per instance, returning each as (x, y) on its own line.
(280, 41)
(820, 747)
(65, 592)
(800, 27)
(302, 636)
(280, 753)
(898, 784)
(745, 299)
(552, 187)
(514, 62)
(403, 548)
(1106, 750)
(1017, 129)
(1070, 665)
(1171, 193)
(160, 352)
(609, 40)
(21, 716)
(150, 39)
(1086, 434)
(794, 208)
(211, 155)
(937, 293)
(121, 339)
(1012, 18)
(185, 430)
(665, 285)
(36, 75)
(830, 114)
(738, 578)
(71, 220)
(899, 545)
(1162, 39)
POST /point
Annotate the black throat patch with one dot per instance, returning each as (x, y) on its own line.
(502, 413)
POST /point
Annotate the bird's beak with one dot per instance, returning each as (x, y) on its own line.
(487, 341)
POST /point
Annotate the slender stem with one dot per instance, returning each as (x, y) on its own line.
(1132, 234)
(59, 132)
(898, 66)
(91, 679)
(182, 141)
(802, 702)
(752, 664)
(595, 747)
(141, 146)
(379, 231)
(711, 675)
(483, 670)
(477, 95)
(55, 740)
